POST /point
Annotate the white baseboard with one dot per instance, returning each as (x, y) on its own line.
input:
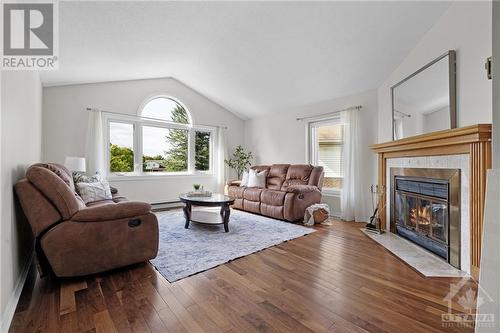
(10, 309)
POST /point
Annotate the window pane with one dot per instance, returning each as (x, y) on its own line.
(202, 151)
(165, 109)
(164, 150)
(330, 150)
(154, 148)
(121, 140)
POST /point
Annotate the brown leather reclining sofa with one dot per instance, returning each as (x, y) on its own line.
(73, 239)
(290, 189)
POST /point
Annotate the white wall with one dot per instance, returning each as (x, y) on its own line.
(490, 260)
(65, 125)
(20, 147)
(280, 138)
(465, 27)
(496, 85)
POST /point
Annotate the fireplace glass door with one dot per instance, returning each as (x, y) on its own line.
(440, 222)
(425, 209)
(423, 218)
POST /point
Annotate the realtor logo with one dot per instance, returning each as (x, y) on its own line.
(29, 36)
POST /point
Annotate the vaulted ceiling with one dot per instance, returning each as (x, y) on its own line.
(250, 57)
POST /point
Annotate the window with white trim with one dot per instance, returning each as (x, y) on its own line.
(161, 141)
(326, 145)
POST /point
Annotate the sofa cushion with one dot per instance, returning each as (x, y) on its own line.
(276, 176)
(271, 211)
(235, 191)
(302, 189)
(61, 171)
(272, 197)
(116, 199)
(238, 204)
(56, 190)
(252, 194)
(112, 211)
(260, 168)
(251, 206)
(100, 203)
(298, 174)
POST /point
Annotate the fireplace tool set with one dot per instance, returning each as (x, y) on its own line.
(377, 192)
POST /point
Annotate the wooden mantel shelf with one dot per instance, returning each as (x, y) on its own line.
(474, 140)
(456, 136)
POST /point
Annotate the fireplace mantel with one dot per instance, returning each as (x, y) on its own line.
(474, 140)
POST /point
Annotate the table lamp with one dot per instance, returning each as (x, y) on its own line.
(75, 164)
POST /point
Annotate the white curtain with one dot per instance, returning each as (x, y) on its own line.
(353, 198)
(221, 156)
(94, 150)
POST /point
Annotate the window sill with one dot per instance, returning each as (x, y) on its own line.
(129, 177)
(332, 192)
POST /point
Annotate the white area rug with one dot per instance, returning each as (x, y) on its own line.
(184, 252)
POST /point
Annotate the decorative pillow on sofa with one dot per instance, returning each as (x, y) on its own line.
(257, 179)
(94, 191)
(79, 177)
(244, 179)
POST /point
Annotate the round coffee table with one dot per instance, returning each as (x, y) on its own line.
(206, 217)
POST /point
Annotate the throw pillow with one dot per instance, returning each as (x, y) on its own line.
(95, 191)
(79, 177)
(257, 179)
(244, 179)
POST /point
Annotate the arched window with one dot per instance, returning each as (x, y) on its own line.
(162, 140)
(165, 108)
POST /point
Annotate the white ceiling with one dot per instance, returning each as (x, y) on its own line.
(250, 57)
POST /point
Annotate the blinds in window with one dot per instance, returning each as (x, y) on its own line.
(330, 158)
(326, 148)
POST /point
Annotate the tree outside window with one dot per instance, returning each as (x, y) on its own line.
(165, 148)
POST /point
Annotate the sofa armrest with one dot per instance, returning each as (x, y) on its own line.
(302, 189)
(233, 182)
(112, 211)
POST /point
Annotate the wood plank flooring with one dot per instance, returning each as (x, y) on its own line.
(334, 280)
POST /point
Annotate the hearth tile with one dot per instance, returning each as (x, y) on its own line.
(419, 259)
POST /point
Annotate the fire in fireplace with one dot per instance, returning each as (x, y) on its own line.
(425, 209)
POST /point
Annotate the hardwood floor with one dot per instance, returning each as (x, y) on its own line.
(334, 280)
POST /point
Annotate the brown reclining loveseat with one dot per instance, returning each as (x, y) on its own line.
(290, 189)
(73, 239)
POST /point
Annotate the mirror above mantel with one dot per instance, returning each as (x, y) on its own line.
(425, 101)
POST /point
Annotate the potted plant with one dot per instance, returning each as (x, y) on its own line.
(196, 187)
(240, 160)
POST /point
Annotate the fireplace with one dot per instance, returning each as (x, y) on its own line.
(425, 209)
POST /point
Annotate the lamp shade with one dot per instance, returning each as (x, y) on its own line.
(75, 163)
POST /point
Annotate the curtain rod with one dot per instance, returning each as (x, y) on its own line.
(141, 117)
(356, 107)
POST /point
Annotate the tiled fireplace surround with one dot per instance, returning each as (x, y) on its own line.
(468, 149)
(440, 162)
